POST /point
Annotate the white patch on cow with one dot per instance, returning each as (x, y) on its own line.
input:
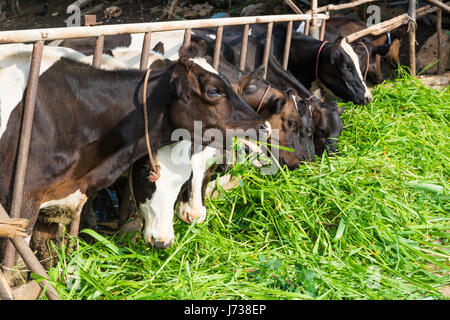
(204, 64)
(301, 27)
(172, 40)
(73, 201)
(157, 212)
(188, 211)
(351, 53)
(250, 31)
(212, 36)
(14, 69)
(107, 62)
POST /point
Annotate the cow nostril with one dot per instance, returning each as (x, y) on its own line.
(162, 244)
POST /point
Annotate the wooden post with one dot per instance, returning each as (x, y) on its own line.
(187, 37)
(5, 290)
(287, 45)
(439, 41)
(307, 26)
(412, 36)
(322, 30)
(145, 51)
(244, 47)
(217, 47)
(267, 47)
(314, 29)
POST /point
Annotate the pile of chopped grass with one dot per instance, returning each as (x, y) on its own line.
(370, 223)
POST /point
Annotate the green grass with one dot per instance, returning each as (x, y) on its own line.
(370, 223)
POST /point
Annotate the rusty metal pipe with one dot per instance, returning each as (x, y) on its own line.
(267, 47)
(322, 30)
(24, 143)
(287, 45)
(98, 52)
(30, 259)
(217, 47)
(145, 51)
(244, 45)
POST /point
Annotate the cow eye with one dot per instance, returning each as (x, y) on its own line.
(292, 124)
(214, 92)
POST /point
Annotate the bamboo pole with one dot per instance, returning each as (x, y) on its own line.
(244, 47)
(98, 51)
(337, 7)
(5, 290)
(145, 51)
(391, 24)
(217, 47)
(267, 45)
(439, 41)
(412, 36)
(49, 34)
(287, 45)
(314, 28)
(187, 37)
(440, 5)
(292, 5)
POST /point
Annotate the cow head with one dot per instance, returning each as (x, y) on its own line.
(282, 111)
(339, 71)
(202, 94)
(328, 125)
(371, 54)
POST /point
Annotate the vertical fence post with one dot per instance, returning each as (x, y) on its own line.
(244, 47)
(145, 51)
(187, 37)
(287, 45)
(217, 47)
(322, 29)
(314, 27)
(98, 52)
(24, 144)
(439, 41)
(412, 36)
(267, 47)
(307, 27)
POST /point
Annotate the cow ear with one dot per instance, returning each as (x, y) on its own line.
(251, 78)
(336, 49)
(381, 50)
(276, 105)
(159, 48)
(179, 86)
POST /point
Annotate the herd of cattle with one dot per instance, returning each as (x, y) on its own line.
(89, 123)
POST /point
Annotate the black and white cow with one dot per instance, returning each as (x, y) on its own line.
(88, 126)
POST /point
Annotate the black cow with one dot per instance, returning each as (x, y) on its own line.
(89, 125)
